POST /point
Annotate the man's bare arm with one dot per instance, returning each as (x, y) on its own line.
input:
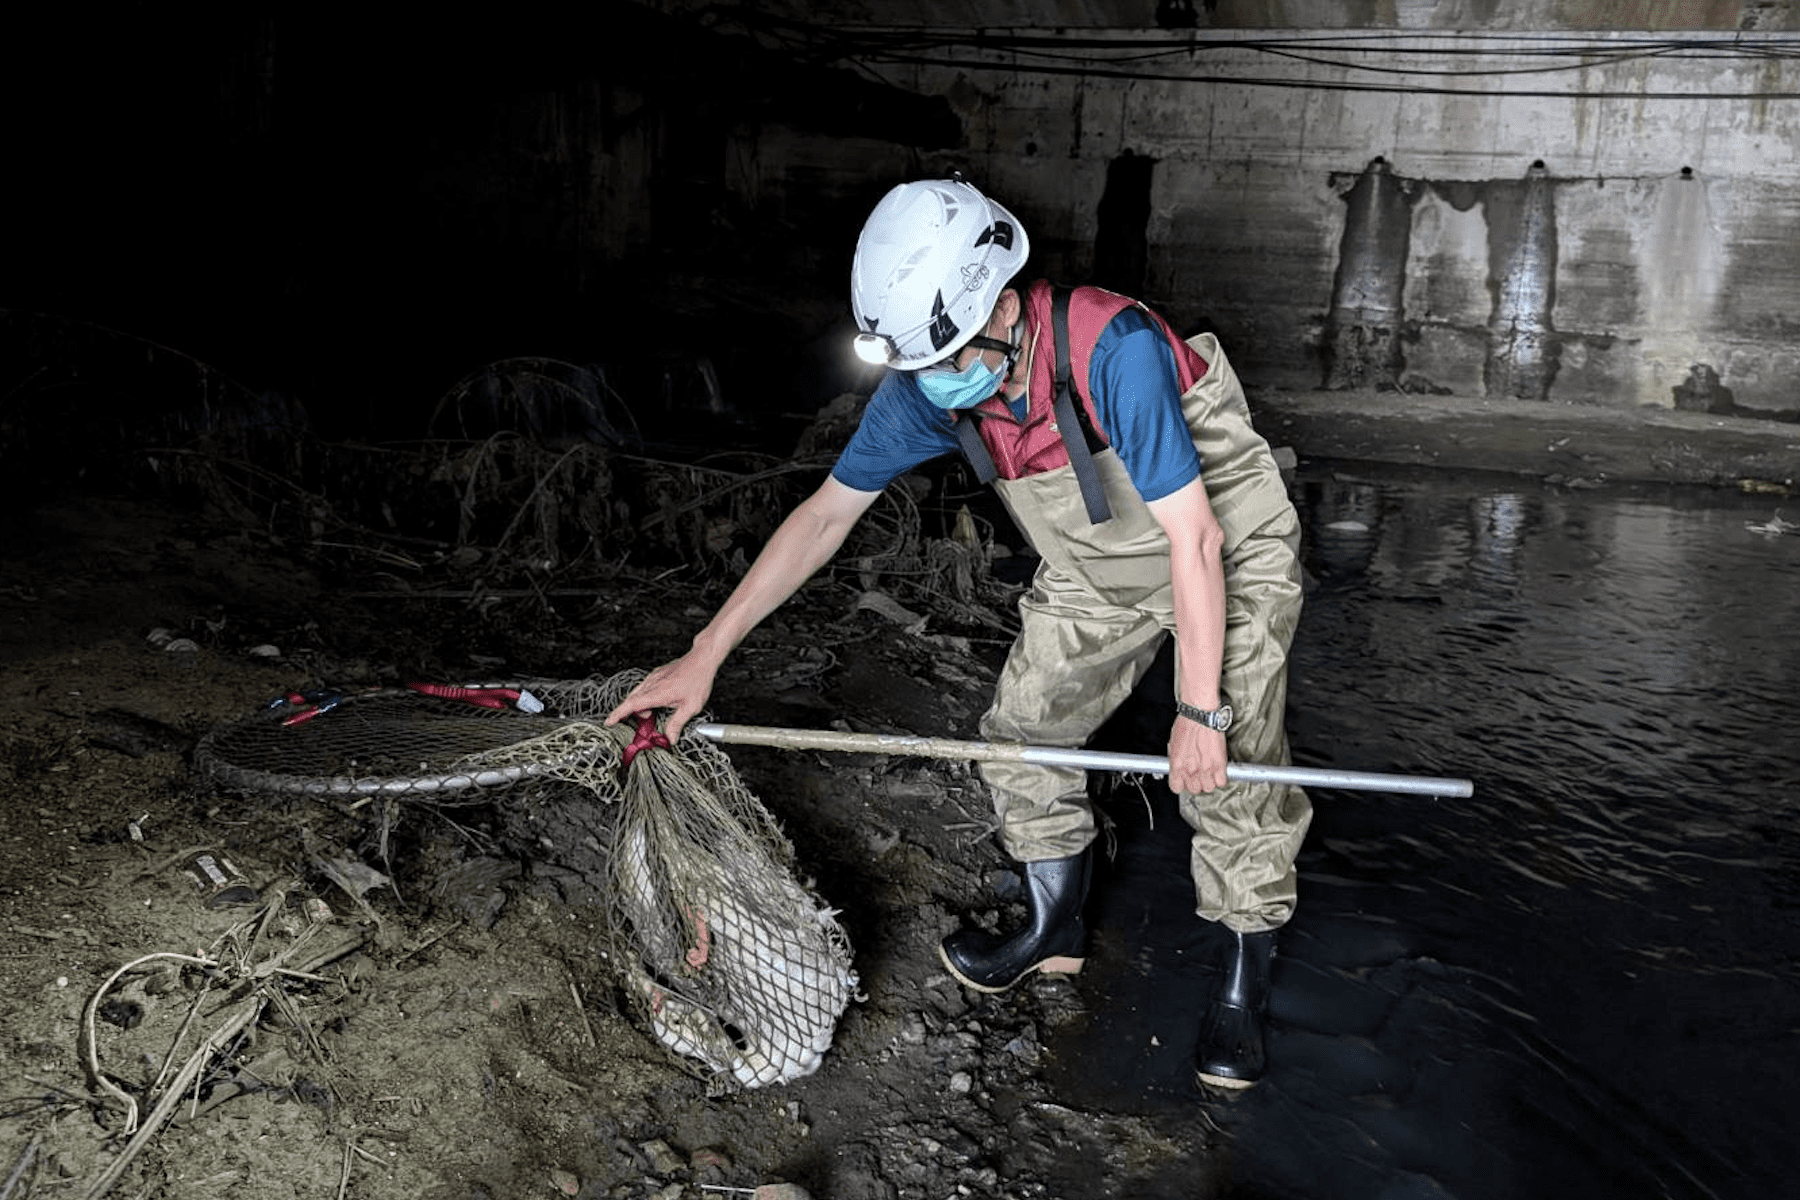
(1197, 755)
(803, 543)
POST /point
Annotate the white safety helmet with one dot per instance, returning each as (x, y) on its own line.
(930, 264)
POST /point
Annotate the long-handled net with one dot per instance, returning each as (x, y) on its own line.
(732, 961)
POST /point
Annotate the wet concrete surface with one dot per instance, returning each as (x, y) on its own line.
(1581, 445)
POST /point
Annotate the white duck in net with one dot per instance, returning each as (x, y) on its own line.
(734, 963)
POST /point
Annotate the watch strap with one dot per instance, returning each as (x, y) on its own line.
(1218, 718)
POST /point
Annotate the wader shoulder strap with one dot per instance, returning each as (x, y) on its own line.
(1071, 418)
(1079, 436)
(968, 435)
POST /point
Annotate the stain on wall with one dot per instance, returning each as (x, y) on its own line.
(1364, 327)
(1522, 352)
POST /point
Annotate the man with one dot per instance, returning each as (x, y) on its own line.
(1127, 458)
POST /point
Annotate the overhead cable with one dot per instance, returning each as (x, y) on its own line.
(1128, 54)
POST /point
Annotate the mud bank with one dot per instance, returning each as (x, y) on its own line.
(454, 1031)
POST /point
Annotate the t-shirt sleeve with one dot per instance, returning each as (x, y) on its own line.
(899, 430)
(1137, 394)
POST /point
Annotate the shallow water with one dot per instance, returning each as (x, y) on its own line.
(1580, 982)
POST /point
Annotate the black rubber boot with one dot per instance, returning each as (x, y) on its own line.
(1054, 940)
(1231, 1037)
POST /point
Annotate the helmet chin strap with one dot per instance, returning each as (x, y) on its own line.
(1010, 349)
(982, 342)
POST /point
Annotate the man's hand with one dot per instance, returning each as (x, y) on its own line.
(1197, 757)
(682, 686)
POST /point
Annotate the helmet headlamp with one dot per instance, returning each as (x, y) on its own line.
(877, 349)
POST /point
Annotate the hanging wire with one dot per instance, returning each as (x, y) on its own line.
(1320, 85)
(1126, 54)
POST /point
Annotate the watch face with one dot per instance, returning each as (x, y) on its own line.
(1222, 719)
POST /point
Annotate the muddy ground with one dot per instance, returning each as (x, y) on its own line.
(454, 1034)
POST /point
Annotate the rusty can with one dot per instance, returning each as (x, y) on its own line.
(222, 883)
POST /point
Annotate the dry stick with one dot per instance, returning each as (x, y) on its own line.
(77, 1097)
(18, 1171)
(283, 482)
(262, 970)
(171, 1100)
(474, 593)
(276, 900)
(389, 808)
(546, 477)
(739, 481)
(286, 484)
(187, 1023)
(292, 1014)
(428, 944)
(390, 557)
(306, 975)
(466, 506)
(344, 1176)
(165, 1108)
(199, 1079)
(580, 1010)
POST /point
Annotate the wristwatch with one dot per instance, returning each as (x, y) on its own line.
(1217, 719)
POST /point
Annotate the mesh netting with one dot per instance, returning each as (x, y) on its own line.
(732, 961)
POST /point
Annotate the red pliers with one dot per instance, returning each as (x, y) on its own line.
(486, 697)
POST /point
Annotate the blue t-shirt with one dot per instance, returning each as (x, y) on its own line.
(1137, 394)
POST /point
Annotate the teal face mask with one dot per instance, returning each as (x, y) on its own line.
(960, 389)
(974, 383)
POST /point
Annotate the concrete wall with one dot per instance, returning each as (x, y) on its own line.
(1667, 207)
(341, 217)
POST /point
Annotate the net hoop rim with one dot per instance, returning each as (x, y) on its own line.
(250, 779)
